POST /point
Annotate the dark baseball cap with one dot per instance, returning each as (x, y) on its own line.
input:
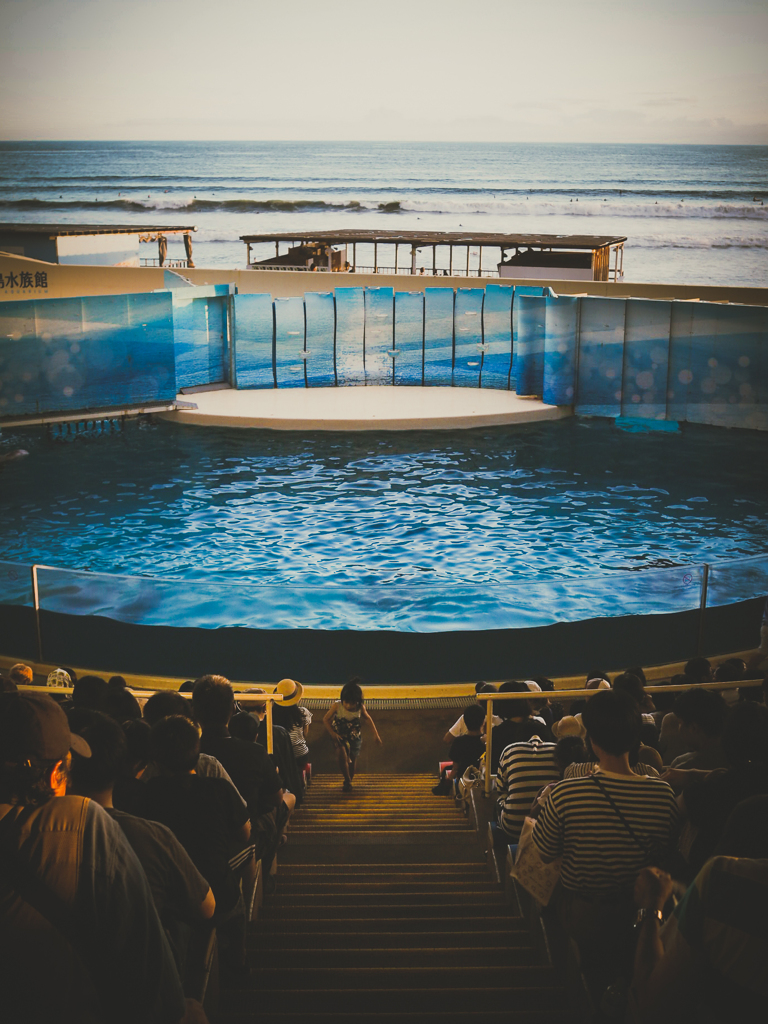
(34, 728)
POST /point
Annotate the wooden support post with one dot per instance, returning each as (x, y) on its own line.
(277, 249)
(413, 259)
(395, 257)
(480, 264)
(434, 260)
(354, 256)
(375, 255)
(467, 261)
(450, 261)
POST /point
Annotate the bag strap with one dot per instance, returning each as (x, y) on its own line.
(645, 847)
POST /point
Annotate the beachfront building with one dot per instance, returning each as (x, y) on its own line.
(112, 245)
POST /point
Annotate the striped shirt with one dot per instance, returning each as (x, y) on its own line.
(523, 769)
(580, 771)
(599, 854)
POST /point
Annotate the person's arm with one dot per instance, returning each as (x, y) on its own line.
(328, 723)
(364, 714)
(208, 906)
(548, 832)
(663, 981)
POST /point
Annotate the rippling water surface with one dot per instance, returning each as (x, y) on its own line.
(567, 499)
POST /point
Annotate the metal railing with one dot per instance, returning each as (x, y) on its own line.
(650, 689)
(167, 264)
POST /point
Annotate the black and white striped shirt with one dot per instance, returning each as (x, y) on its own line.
(599, 854)
(523, 769)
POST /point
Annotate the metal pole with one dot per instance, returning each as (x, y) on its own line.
(270, 739)
(375, 256)
(277, 249)
(395, 257)
(467, 261)
(36, 600)
(488, 746)
(354, 256)
(450, 261)
(480, 263)
(702, 608)
(434, 259)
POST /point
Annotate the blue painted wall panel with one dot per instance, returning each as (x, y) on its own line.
(409, 337)
(531, 330)
(467, 316)
(560, 349)
(727, 364)
(289, 342)
(438, 337)
(75, 354)
(379, 319)
(520, 290)
(200, 340)
(321, 367)
(253, 341)
(350, 335)
(646, 359)
(497, 336)
(601, 357)
(680, 374)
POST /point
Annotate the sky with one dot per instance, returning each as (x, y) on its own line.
(658, 71)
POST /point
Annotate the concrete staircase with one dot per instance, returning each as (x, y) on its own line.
(384, 912)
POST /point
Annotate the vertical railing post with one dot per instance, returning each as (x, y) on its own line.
(36, 600)
(702, 609)
(488, 745)
(270, 738)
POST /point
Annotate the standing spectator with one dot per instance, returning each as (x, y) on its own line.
(466, 750)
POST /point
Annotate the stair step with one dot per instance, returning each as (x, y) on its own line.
(396, 887)
(388, 952)
(274, 911)
(395, 900)
(388, 1000)
(421, 921)
(466, 1016)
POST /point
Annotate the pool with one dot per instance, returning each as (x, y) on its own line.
(496, 528)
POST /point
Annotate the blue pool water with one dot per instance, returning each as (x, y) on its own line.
(410, 531)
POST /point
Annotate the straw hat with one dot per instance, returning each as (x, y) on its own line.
(569, 725)
(291, 690)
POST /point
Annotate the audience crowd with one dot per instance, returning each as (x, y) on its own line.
(128, 833)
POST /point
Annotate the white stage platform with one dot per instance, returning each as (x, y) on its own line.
(362, 408)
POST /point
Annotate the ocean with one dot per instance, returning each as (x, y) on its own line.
(691, 214)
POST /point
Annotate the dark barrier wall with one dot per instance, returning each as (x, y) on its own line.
(327, 657)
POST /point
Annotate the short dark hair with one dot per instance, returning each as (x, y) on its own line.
(213, 700)
(473, 716)
(637, 671)
(698, 670)
(731, 670)
(89, 692)
(120, 704)
(704, 708)
(745, 736)
(544, 683)
(612, 720)
(629, 683)
(351, 692)
(137, 733)
(570, 750)
(483, 687)
(513, 708)
(109, 750)
(165, 703)
(174, 744)
(244, 726)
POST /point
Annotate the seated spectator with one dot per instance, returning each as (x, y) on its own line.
(209, 821)
(59, 678)
(120, 704)
(552, 710)
(21, 675)
(295, 719)
(182, 896)
(642, 760)
(732, 670)
(91, 947)
(708, 798)
(89, 692)
(165, 703)
(459, 727)
(569, 749)
(706, 963)
(524, 768)
(128, 791)
(701, 714)
(466, 750)
(248, 764)
(634, 686)
(282, 754)
(698, 670)
(606, 828)
(517, 724)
